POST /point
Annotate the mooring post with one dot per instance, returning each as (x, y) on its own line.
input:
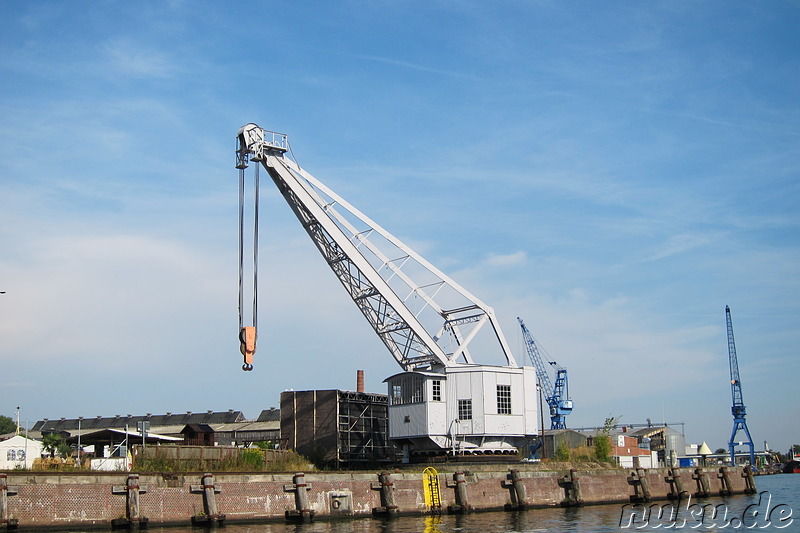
(641, 487)
(462, 505)
(518, 495)
(749, 480)
(131, 489)
(388, 508)
(703, 489)
(302, 512)
(211, 511)
(676, 491)
(725, 489)
(572, 489)
(5, 492)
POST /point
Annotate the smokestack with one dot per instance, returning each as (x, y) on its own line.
(359, 381)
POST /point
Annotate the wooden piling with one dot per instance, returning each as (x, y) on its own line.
(302, 512)
(518, 495)
(208, 489)
(572, 489)
(641, 487)
(132, 490)
(703, 488)
(462, 505)
(675, 482)
(388, 507)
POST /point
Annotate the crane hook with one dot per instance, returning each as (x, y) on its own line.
(247, 340)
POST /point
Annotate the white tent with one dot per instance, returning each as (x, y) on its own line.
(19, 452)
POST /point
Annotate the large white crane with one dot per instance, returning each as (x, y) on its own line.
(436, 330)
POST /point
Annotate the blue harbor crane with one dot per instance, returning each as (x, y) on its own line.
(557, 395)
(738, 408)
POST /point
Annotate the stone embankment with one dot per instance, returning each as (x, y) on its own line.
(30, 500)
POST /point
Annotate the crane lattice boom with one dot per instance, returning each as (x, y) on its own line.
(425, 319)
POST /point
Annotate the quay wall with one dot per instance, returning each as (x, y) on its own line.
(38, 500)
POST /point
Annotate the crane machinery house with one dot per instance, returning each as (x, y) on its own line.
(461, 391)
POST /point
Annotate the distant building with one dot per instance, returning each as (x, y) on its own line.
(229, 427)
(627, 452)
(668, 443)
(554, 438)
(166, 424)
(198, 435)
(653, 445)
(19, 452)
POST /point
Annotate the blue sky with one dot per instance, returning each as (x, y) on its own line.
(613, 173)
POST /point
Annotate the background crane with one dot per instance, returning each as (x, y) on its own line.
(738, 409)
(557, 395)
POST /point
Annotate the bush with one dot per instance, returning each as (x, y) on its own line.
(252, 459)
(562, 452)
(602, 447)
(246, 460)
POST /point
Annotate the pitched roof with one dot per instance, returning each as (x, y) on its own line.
(119, 422)
(269, 415)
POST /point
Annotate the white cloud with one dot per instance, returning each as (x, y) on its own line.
(677, 244)
(103, 298)
(506, 260)
(133, 59)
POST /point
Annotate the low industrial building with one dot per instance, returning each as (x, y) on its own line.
(341, 429)
(553, 438)
(229, 428)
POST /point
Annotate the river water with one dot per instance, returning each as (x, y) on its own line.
(775, 507)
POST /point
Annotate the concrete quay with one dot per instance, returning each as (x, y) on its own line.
(41, 500)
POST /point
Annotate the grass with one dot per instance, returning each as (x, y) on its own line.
(248, 460)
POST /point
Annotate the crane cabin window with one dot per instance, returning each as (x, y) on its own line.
(397, 393)
(504, 399)
(436, 390)
(407, 390)
(465, 409)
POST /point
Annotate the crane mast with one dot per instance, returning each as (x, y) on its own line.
(737, 409)
(557, 398)
(448, 343)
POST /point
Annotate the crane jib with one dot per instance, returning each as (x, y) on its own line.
(401, 298)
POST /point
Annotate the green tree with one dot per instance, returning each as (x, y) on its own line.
(51, 443)
(602, 447)
(602, 441)
(7, 425)
(610, 423)
(64, 450)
